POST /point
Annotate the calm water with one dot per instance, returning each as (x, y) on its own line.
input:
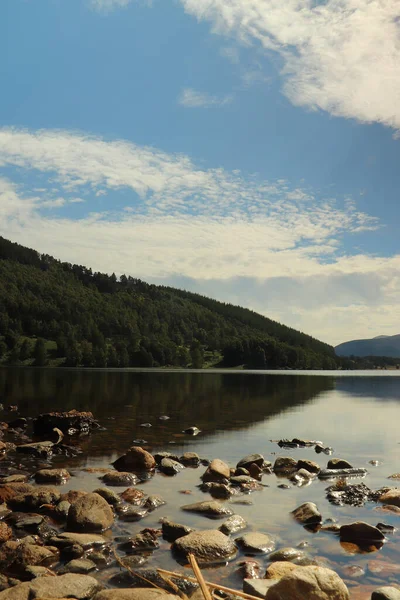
(238, 413)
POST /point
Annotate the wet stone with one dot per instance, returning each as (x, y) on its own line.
(190, 459)
(133, 496)
(170, 467)
(172, 531)
(86, 540)
(80, 565)
(209, 546)
(116, 478)
(249, 569)
(391, 497)
(32, 501)
(293, 555)
(285, 464)
(361, 532)
(218, 471)
(309, 465)
(217, 490)
(109, 495)
(233, 524)
(306, 583)
(212, 509)
(153, 502)
(146, 540)
(338, 463)
(136, 459)
(386, 593)
(5, 532)
(131, 513)
(159, 456)
(256, 543)
(307, 514)
(91, 513)
(257, 587)
(55, 476)
(250, 459)
(279, 569)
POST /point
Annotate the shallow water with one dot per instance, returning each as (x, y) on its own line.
(238, 413)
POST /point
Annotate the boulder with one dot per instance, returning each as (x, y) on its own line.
(64, 586)
(217, 471)
(119, 478)
(135, 594)
(209, 546)
(309, 583)
(360, 532)
(212, 509)
(136, 459)
(256, 543)
(89, 514)
(56, 476)
(338, 463)
(391, 497)
(70, 422)
(307, 514)
(386, 593)
(279, 569)
(233, 524)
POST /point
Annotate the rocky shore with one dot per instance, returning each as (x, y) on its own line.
(56, 544)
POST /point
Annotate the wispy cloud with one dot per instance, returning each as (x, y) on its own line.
(268, 245)
(341, 56)
(191, 98)
(107, 5)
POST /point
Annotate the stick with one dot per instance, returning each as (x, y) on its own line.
(213, 586)
(199, 577)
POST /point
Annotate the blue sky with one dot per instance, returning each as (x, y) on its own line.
(246, 149)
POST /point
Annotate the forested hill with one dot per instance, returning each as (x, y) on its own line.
(65, 314)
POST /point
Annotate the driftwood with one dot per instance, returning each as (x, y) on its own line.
(213, 586)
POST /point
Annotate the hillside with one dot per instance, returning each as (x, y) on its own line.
(382, 345)
(52, 310)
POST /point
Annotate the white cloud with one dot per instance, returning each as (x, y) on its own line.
(268, 245)
(191, 98)
(107, 5)
(341, 56)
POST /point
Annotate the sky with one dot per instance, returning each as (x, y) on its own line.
(247, 150)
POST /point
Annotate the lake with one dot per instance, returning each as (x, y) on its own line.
(238, 413)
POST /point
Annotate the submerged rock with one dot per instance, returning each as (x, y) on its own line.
(351, 494)
(211, 509)
(332, 473)
(119, 478)
(168, 466)
(307, 514)
(256, 543)
(210, 546)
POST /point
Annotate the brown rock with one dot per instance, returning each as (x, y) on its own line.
(136, 459)
(119, 478)
(285, 464)
(135, 594)
(217, 471)
(89, 514)
(309, 583)
(133, 496)
(56, 476)
(279, 569)
(5, 532)
(209, 546)
(361, 532)
(9, 490)
(307, 514)
(309, 465)
(72, 496)
(338, 463)
(391, 497)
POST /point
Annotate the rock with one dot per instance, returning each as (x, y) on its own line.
(250, 459)
(218, 471)
(145, 540)
(57, 476)
(170, 467)
(72, 496)
(32, 501)
(131, 513)
(109, 496)
(37, 571)
(338, 463)
(119, 478)
(391, 497)
(309, 583)
(90, 513)
(302, 477)
(249, 569)
(172, 531)
(80, 565)
(5, 532)
(257, 587)
(285, 464)
(361, 532)
(307, 514)
(70, 585)
(135, 594)
(40, 449)
(217, 490)
(242, 480)
(234, 524)
(288, 555)
(256, 543)
(67, 422)
(158, 456)
(133, 496)
(190, 459)
(309, 465)
(16, 478)
(192, 431)
(86, 540)
(384, 569)
(255, 471)
(212, 509)
(9, 490)
(152, 502)
(136, 459)
(351, 494)
(279, 569)
(386, 593)
(16, 555)
(209, 546)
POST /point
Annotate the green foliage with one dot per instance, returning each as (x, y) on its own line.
(93, 319)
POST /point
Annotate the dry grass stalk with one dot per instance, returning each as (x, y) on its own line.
(213, 586)
(199, 577)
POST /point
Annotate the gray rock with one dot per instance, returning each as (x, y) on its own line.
(209, 546)
(309, 583)
(131, 513)
(360, 532)
(172, 531)
(250, 459)
(257, 587)
(145, 540)
(212, 509)
(80, 565)
(86, 540)
(152, 502)
(90, 513)
(386, 593)
(117, 478)
(135, 594)
(256, 543)
(307, 514)
(294, 555)
(242, 479)
(170, 467)
(62, 509)
(338, 463)
(56, 476)
(234, 524)
(68, 585)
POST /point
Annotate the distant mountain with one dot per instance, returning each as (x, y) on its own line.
(383, 345)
